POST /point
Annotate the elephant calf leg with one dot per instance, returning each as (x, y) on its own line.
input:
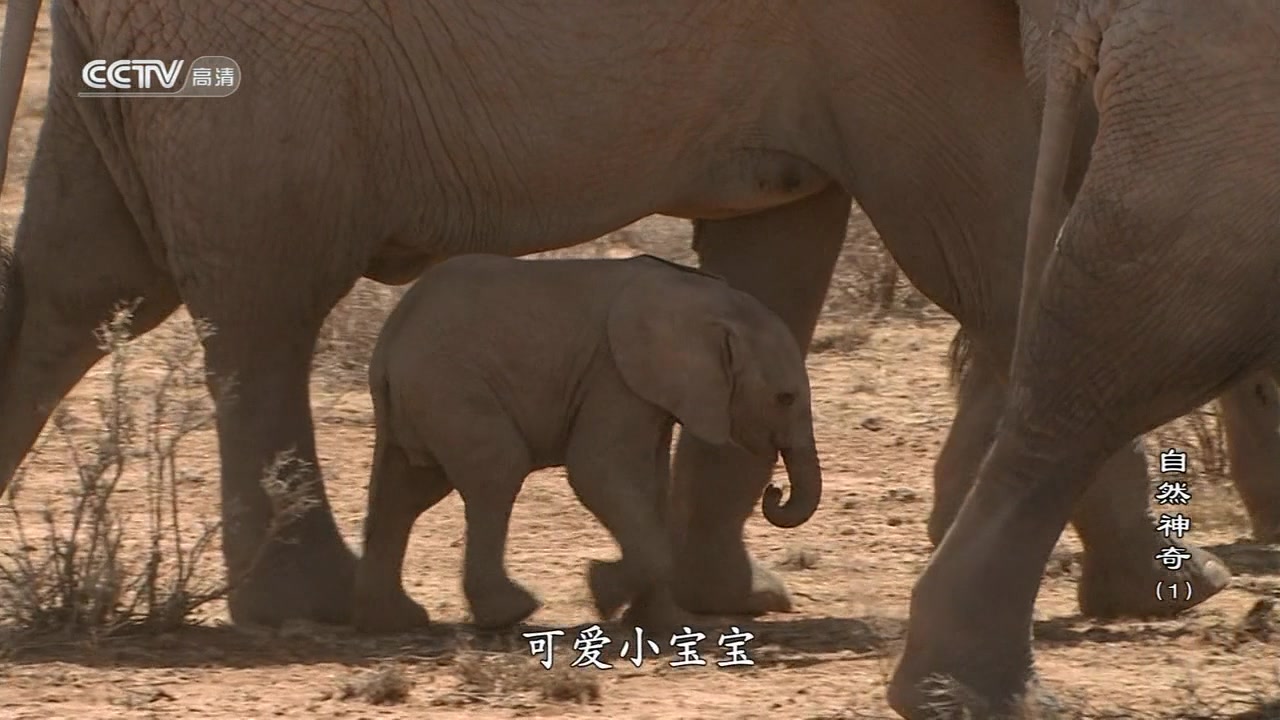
(612, 586)
(1251, 421)
(496, 600)
(613, 490)
(398, 493)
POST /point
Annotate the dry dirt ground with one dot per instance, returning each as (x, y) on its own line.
(882, 407)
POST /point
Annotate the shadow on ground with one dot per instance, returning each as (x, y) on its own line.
(1267, 710)
(1245, 558)
(1078, 630)
(774, 642)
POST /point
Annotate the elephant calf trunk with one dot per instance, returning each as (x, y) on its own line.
(806, 489)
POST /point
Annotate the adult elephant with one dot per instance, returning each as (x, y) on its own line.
(1155, 293)
(1249, 409)
(369, 138)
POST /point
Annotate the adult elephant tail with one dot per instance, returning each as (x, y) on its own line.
(1072, 58)
(959, 358)
(19, 29)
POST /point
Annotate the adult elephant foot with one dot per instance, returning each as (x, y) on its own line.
(1120, 569)
(784, 257)
(731, 582)
(394, 613)
(502, 605)
(713, 573)
(1112, 588)
(722, 578)
(970, 615)
(943, 698)
(306, 573)
(1251, 422)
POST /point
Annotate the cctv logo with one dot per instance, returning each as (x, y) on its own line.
(131, 74)
(207, 76)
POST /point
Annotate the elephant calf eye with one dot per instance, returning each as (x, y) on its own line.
(785, 398)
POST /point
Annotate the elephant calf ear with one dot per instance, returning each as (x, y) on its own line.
(672, 353)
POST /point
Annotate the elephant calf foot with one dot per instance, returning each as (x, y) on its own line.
(610, 586)
(393, 614)
(654, 609)
(500, 605)
(1115, 585)
(730, 582)
(657, 613)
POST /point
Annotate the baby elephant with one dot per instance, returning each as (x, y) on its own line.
(493, 367)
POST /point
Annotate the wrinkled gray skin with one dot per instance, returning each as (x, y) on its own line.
(491, 367)
(1250, 411)
(260, 210)
(1157, 295)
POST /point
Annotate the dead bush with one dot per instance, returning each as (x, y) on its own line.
(349, 333)
(504, 679)
(1200, 434)
(868, 281)
(385, 685)
(75, 572)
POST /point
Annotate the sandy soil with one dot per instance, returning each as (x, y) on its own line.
(882, 407)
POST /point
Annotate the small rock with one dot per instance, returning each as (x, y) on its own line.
(872, 423)
(799, 559)
(902, 495)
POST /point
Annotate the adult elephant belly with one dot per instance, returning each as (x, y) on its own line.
(744, 182)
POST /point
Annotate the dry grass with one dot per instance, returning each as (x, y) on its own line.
(77, 574)
(505, 679)
(1201, 435)
(349, 333)
(385, 685)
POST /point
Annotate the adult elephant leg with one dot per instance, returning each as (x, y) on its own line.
(1251, 422)
(784, 257)
(1113, 518)
(1116, 529)
(258, 362)
(77, 255)
(1068, 414)
(979, 402)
